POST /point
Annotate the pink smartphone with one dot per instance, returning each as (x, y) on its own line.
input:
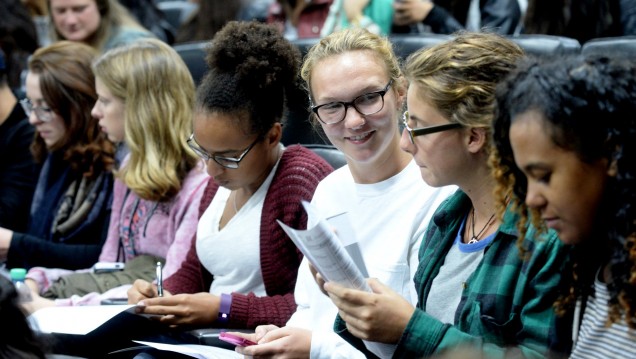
(236, 340)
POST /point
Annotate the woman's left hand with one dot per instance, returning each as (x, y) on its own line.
(380, 316)
(183, 309)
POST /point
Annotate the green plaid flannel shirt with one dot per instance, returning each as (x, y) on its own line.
(506, 308)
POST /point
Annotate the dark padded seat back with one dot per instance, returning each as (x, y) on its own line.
(547, 45)
(193, 54)
(405, 45)
(611, 46)
(177, 12)
(298, 128)
(329, 153)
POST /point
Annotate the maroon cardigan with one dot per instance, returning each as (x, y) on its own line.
(296, 178)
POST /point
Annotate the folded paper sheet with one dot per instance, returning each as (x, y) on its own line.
(332, 248)
(78, 320)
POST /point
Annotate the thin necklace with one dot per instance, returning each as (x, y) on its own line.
(234, 202)
(475, 237)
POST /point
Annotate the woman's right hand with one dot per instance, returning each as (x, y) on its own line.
(141, 290)
(407, 12)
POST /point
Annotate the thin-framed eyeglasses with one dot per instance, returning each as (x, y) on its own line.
(44, 114)
(414, 132)
(366, 104)
(227, 162)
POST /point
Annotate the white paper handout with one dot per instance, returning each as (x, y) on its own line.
(78, 320)
(326, 253)
(336, 256)
(194, 350)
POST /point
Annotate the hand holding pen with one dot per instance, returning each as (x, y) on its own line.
(142, 290)
(159, 279)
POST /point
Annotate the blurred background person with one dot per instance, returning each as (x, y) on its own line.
(152, 18)
(208, 18)
(39, 11)
(449, 16)
(102, 24)
(299, 19)
(70, 209)
(581, 19)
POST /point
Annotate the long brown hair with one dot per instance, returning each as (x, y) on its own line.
(68, 87)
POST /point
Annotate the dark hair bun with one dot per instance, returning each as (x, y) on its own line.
(255, 53)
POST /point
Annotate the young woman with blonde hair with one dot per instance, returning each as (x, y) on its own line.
(358, 92)
(475, 287)
(145, 98)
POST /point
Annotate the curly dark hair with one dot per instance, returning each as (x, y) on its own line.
(588, 105)
(252, 69)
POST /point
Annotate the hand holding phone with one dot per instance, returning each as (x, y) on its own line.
(236, 340)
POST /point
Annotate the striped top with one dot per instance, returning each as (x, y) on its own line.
(596, 340)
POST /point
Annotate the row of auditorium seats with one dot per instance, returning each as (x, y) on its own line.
(298, 128)
(193, 53)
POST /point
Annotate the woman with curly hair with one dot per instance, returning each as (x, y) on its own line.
(476, 288)
(565, 138)
(241, 268)
(71, 204)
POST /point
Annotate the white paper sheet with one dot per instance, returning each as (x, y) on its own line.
(326, 253)
(336, 256)
(194, 350)
(78, 320)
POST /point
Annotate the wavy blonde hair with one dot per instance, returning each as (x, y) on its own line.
(158, 92)
(348, 40)
(458, 77)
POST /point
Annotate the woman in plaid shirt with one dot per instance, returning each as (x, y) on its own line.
(476, 287)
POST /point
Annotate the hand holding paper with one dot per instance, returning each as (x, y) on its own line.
(326, 253)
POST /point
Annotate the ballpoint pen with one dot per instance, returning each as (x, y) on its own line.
(159, 279)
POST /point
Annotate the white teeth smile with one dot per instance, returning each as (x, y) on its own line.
(359, 138)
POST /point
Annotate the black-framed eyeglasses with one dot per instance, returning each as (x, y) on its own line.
(227, 162)
(414, 132)
(366, 104)
(44, 114)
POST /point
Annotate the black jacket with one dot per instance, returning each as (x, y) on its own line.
(448, 16)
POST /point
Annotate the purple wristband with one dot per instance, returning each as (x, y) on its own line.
(224, 308)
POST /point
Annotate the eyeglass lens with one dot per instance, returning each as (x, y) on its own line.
(366, 104)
